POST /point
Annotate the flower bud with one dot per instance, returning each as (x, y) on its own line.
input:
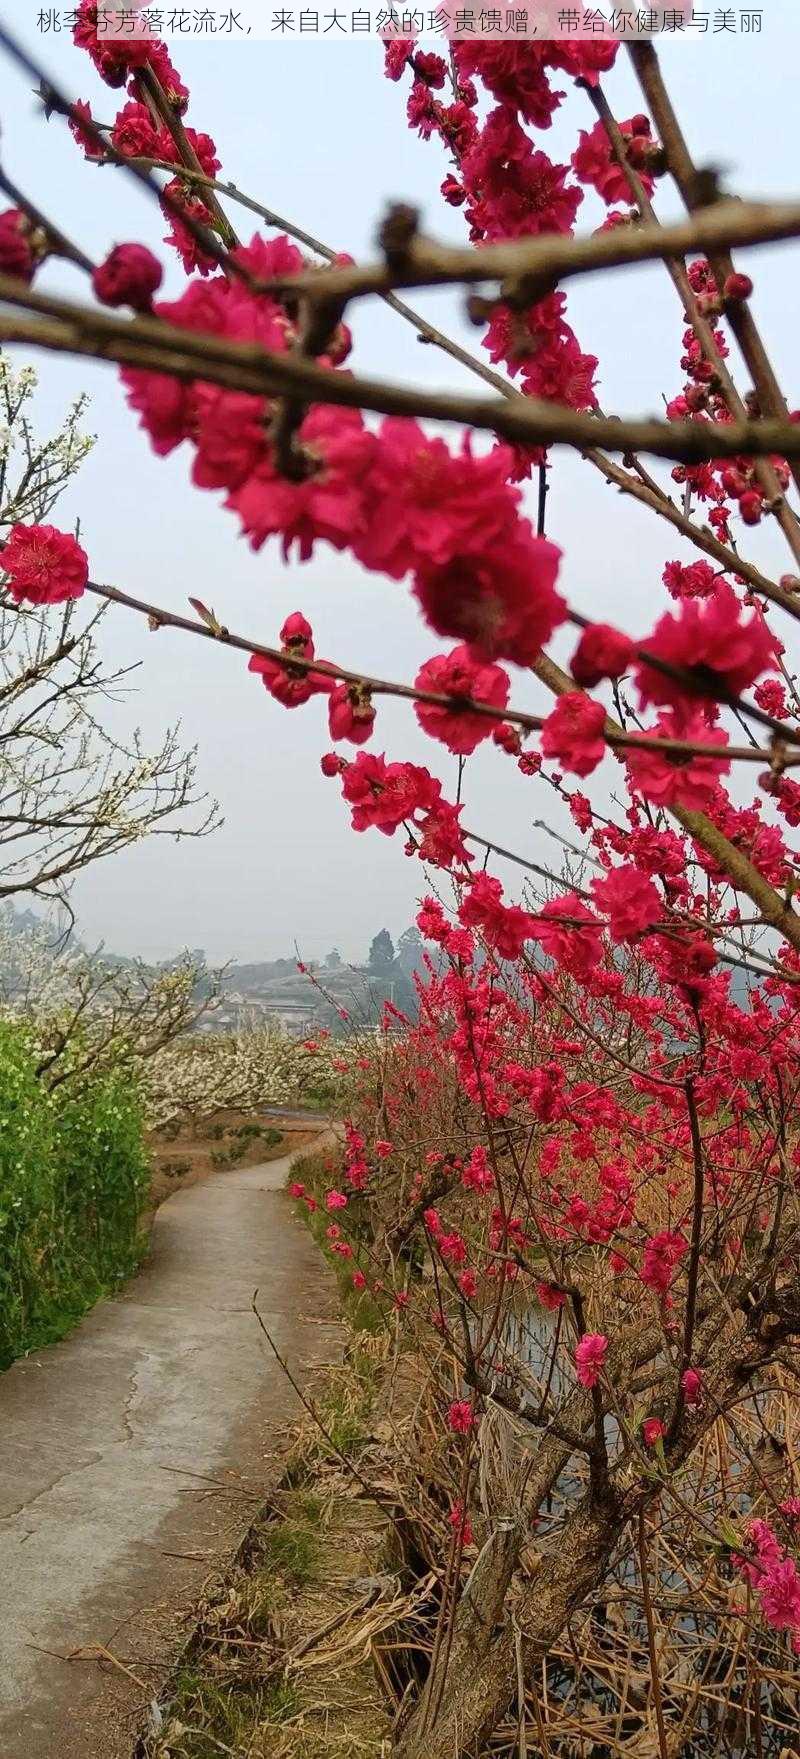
(16, 254)
(454, 192)
(130, 275)
(751, 507)
(734, 482)
(297, 632)
(737, 287)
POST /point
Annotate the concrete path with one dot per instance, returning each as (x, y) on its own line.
(134, 1454)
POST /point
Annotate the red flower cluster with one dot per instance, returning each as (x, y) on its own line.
(130, 275)
(574, 733)
(662, 1255)
(590, 1355)
(594, 162)
(509, 189)
(711, 638)
(602, 652)
(458, 675)
(504, 927)
(400, 501)
(774, 1577)
(43, 565)
(20, 251)
(629, 901)
(689, 781)
(292, 684)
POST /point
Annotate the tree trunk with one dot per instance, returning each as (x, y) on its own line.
(481, 1682)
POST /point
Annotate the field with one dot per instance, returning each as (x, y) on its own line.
(182, 1155)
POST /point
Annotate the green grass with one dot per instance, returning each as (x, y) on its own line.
(209, 1719)
(232, 1690)
(293, 1549)
(73, 1183)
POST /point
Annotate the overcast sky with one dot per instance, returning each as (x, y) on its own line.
(318, 134)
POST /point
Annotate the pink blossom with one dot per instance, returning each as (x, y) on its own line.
(550, 1297)
(129, 275)
(692, 580)
(692, 1386)
(629, 900)
(81, 115)
(461, 1417)
(690, 781)
(574, 733)
(602, 652)
(662, 1255)
(713, 636)
(43, 565)
(384, 794)
(431, 505)
(290, 685)
(16, 250)
(590, 1356)
(514, 190)
(779, 1593)
(569, 933)
(453, 1248)
(501, 601)
(594, 161)
(329, 502)
(477, 1175)
(396, 54)
(459, 675)
(351, 713)
(135, 135)
(514, 73)
(505, 927)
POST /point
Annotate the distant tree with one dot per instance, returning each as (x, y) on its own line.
(410, 947)
(333, 960)
(381, 952)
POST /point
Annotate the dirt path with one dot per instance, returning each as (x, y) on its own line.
(108, 1526)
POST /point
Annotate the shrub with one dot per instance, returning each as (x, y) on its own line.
(73, 1182)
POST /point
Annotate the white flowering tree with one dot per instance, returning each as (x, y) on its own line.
(70, 794)
(87, 1013)
(256, 1066)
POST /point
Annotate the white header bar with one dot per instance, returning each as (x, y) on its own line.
(344, 20)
